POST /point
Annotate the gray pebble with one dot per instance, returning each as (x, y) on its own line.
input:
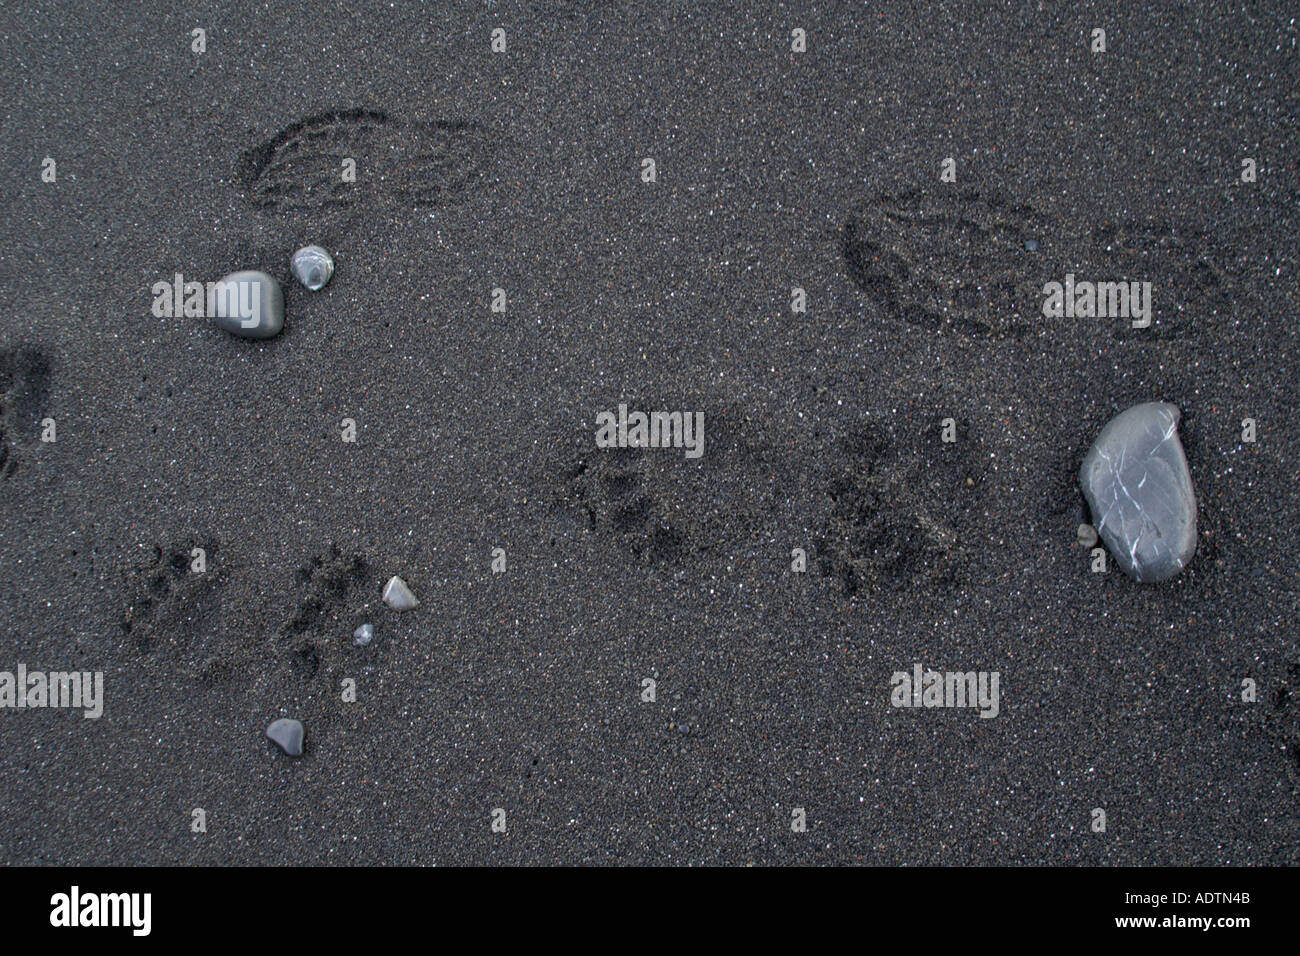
(363, 635)
(250, 305)
(398, 596)
(287, 733)
(312, 266)
(1136, 480)
(1031, 245)
(1087, 535)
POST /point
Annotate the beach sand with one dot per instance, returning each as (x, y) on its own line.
(523, 691)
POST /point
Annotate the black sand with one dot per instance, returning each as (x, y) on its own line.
(521, 690)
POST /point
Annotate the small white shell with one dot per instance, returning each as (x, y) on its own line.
(312, 266)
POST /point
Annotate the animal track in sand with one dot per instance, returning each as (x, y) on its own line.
(171, 609)
(327, 581)
(899, 516)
